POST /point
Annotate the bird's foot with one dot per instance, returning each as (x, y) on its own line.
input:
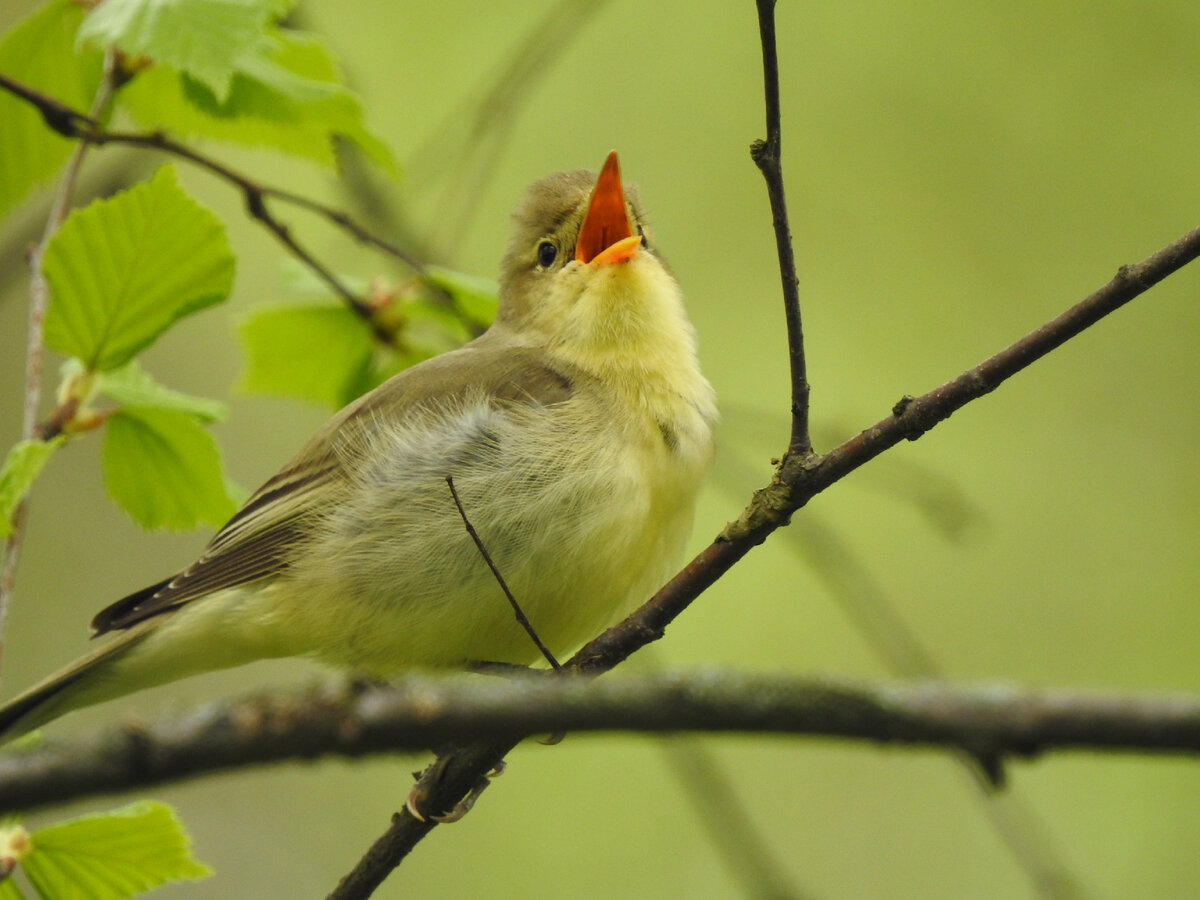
(419, 796)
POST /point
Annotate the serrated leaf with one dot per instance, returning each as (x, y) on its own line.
(475, 297)
(131, 385)
(112, 856)
(40, 51)
(288, 95)
(123, 270)
(310, 351)
(204, 39)
(163, 468)
(22, 465)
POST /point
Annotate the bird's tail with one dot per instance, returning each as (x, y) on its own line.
(82, 683)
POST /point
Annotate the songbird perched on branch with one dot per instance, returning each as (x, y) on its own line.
(576, 432)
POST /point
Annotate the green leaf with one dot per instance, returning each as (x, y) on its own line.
(287, 95)
(39, 51)
(204, 39)
(112, 856)
(301, 67)
(22, 465)
(475, 297)
(123, 270)
(163, 468)
(316, 352)
(131, 385)
(9, 891)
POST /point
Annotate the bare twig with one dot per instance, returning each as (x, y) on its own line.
(767, 156)
(422, 710)
(487, 558)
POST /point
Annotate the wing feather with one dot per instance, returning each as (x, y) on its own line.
(262, 538)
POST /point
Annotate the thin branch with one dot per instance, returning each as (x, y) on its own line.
(157, 140)
(732, 831)
(767, 156)
(255, 196)
(39, 300)
(487, 558)
(60, 117)
(349, 721)
(73, 124)
(443, 784)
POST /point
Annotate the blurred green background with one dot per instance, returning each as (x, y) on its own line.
(957, 174)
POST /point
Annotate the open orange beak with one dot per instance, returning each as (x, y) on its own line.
(605, 236)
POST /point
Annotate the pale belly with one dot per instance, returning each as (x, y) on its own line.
(581, 529)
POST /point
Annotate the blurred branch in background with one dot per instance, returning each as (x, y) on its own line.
(865, 602)
(722, 812)
(461, 154)
(421, 711)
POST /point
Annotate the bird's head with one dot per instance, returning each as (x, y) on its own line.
(580, 268)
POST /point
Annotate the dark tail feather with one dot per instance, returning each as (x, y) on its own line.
(80, 684)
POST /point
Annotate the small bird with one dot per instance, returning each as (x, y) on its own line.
(576, 431)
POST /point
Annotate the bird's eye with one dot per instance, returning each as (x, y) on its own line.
(546, 254)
